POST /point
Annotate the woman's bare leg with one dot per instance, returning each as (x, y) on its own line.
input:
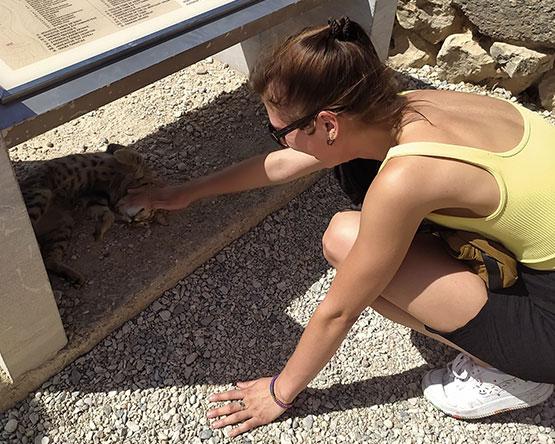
(430, 288)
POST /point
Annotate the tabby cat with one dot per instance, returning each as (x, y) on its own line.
(97, 181)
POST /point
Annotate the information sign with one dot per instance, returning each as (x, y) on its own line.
(44, 41)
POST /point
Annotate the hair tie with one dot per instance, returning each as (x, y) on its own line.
(335, 28)
(342, 29)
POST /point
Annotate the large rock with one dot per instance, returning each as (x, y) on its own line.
(433, 20)
(410, 51)
(461, 58)
(528, 22)
(547, 91)
(523, 66)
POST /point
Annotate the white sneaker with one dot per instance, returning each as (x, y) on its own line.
(466, 390)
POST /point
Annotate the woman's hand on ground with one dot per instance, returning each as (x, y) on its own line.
(253, 406)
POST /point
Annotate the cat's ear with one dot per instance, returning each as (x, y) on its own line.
(113, 147)
(127, 156)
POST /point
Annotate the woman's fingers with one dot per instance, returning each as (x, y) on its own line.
(136, 190)
(126, 200)
(131, 205)
(245, 427)
(226, 396)
(255, 407)
(245, 384)
(232, 419)
(227, 409)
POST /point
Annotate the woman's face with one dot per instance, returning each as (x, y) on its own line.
(310, 140)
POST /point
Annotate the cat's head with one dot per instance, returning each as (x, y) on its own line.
(138, 174)
(133, 163)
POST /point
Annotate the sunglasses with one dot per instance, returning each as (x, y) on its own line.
(279, 135)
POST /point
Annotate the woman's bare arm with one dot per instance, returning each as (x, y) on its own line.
(274, 168)
(393, 209)
(394, 206)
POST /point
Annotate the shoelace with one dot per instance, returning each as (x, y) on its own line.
(462, 367)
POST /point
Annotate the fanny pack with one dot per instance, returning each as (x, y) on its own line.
(488, 259)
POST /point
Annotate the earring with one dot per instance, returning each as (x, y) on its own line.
(330, 141)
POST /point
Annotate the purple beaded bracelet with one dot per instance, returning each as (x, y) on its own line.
(282, 404)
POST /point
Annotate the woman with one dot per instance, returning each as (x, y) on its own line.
(465, 161)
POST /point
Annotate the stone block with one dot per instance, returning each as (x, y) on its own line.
(410, 51)
(433, 20)
(527, 22)
(546, 89)
(461, 58)
(523, 66)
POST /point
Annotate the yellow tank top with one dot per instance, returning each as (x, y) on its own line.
(525, 220)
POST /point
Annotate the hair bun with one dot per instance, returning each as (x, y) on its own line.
(342, 29)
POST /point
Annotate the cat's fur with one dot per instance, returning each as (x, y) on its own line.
(95, 181)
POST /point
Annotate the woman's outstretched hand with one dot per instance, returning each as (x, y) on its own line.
(147, 198)
(253, 406)
(135, 200)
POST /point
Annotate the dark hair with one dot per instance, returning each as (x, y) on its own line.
(330, 67)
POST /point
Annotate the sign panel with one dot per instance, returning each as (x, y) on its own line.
(45, 41)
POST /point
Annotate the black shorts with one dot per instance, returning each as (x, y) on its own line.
(515, 330)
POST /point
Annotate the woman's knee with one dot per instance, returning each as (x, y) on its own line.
(340, 236)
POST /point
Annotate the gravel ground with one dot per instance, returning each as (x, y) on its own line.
(238, 317)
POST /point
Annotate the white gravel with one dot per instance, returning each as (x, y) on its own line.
(238, 317)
